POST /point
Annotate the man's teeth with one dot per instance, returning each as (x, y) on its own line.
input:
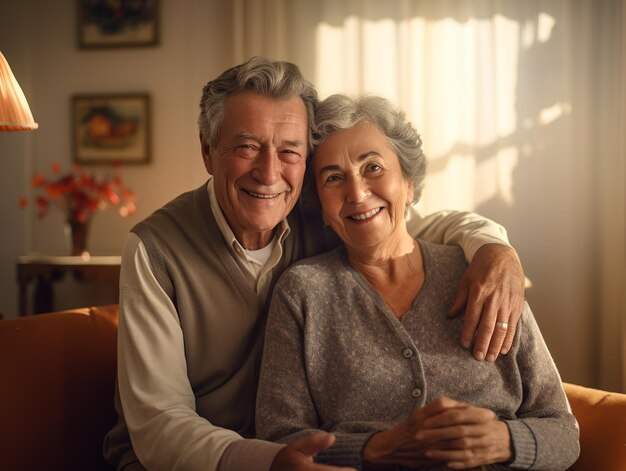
(366, 215)
(258, 195)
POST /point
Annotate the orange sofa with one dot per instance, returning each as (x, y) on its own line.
(56, 396)
(56, 393)
(601, 416)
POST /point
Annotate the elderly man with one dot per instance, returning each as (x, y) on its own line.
(197, 274)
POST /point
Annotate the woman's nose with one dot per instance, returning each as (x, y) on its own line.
(358, 190)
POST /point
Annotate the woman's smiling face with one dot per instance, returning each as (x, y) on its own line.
(361, 187)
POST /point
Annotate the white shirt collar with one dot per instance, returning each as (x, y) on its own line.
(227, 232)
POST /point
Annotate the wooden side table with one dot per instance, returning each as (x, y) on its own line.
(44, 270)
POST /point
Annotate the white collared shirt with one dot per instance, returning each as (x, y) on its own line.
(259, 263)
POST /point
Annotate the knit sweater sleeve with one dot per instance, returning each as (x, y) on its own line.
(283, 384)
(468, 230)
(545, 433)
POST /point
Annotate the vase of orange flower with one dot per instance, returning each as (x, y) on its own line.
(78, 235)
(80, 194)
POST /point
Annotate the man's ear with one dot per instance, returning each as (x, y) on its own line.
(206, 154)
(326, 223)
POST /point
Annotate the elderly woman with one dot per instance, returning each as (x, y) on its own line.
(358, 342)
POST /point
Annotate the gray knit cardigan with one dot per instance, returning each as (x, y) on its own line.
(337, 359)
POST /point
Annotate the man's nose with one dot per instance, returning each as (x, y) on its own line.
(267, 167)
(358, 190)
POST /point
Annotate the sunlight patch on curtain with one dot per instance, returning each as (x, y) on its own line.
(455, 80)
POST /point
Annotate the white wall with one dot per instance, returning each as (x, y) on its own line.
(38, 39)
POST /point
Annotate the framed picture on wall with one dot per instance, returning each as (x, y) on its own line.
(117, 23)
(111, 128)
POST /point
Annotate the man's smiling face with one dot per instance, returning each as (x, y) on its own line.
(258, 165)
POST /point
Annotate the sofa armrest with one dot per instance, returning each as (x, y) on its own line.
(601, 416)
(56, 399)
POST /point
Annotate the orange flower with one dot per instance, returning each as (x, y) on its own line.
(41, 202)
(128, 195)
(127, 210)
(38, 180)
(54, 190)
(80, 194)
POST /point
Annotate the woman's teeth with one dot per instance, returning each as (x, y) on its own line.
(366, 215)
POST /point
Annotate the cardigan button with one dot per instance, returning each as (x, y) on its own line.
(417, 392)
(407, 353)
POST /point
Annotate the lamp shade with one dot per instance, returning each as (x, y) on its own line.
(15, 114)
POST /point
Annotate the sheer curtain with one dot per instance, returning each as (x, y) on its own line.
(521, 109)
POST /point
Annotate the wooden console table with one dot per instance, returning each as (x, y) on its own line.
(44, 270)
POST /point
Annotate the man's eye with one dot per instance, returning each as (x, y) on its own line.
(246, 150)
(289, 156)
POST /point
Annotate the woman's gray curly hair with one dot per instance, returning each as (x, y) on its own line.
(342, 112)
(277, 79)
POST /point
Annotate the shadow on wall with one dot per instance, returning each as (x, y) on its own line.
(550, 218)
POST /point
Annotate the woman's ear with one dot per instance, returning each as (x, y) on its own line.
(410, 194)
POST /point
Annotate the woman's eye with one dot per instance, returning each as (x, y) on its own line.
(374, 168)
(332, 179)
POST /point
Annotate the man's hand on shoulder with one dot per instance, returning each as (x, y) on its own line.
(492, 293)
(298, 456)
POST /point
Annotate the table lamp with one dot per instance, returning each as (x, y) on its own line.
(15, 114)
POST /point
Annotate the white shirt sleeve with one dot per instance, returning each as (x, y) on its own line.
(468, 230)
(156, 396)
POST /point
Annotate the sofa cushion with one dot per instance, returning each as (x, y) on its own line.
(602, 419)
(56, 398)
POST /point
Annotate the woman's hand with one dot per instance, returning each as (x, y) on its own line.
(492, 293)
(459, 434)
(464, 436)
(401, 444)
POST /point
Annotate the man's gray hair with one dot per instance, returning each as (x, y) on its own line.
(342, 112)
(272, 79)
